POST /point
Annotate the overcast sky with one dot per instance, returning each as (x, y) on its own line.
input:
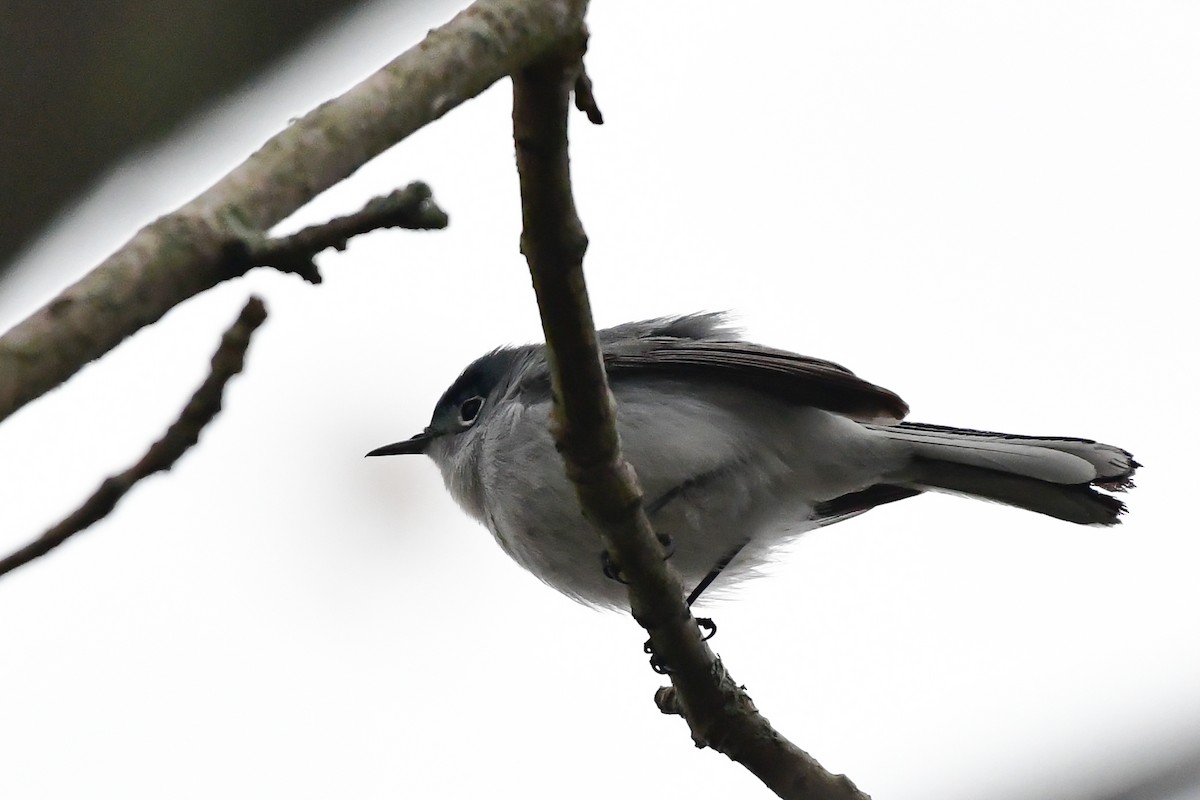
(989, 208)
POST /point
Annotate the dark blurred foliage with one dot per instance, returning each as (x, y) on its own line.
(82, 83)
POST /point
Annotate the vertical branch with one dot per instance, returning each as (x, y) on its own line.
(553, 241)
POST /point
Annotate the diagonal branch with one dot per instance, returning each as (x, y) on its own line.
(180, 254)
(162, 455)
(718, 711)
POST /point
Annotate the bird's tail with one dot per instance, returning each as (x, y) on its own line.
(1059, 477)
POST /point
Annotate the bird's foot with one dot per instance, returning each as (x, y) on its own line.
(610, 568)
(708, 629)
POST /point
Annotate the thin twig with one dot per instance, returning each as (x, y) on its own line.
(162, 455)
(183, 253)
(412, 208)
(717, 710)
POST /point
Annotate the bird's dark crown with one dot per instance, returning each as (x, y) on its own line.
(480, 377)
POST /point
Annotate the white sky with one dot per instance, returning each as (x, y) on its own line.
(989, 208)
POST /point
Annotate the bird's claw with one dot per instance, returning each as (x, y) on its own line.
(708, 629)
(610, 568)
(656, 662)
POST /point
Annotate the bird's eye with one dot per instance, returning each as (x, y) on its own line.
(469, 410)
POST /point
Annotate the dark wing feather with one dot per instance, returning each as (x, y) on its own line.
(860, 502)
(787, 376)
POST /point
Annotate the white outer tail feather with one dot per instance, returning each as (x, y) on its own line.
(1048, 475)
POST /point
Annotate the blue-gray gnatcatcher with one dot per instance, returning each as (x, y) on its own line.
(738, 447)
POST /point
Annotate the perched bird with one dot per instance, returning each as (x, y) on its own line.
(738, 447)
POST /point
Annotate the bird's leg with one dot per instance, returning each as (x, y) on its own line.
(708, 628)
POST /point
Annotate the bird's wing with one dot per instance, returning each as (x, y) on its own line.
(787, 376)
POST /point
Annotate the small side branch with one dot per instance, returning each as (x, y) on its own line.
(585, 99)
(717, 710)
(412, 208)
(162, 455)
